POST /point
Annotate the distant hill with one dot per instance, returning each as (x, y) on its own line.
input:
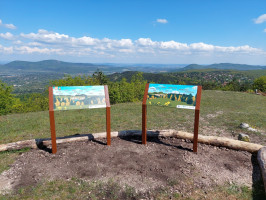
(150, 77)
(56, 66)
(193, 76)
(223, 66)
(85, 68)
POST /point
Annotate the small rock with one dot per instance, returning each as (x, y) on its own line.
(244, 125)
(243, 137)
(252, 129)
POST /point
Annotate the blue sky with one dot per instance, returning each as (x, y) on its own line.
(139, 31)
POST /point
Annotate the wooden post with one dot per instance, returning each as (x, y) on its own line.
(52, 120)
(144, 115)
(108, 115)
(196, 122)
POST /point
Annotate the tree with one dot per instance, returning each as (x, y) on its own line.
(260, 84)
(138, 84)
(189, 99)
(183, 98)
(173, 97)
(100, 77)
(6, 98)
(38, 102)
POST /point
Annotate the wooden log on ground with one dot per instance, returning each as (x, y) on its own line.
(211, 140)
(18, 145)
(262, 163)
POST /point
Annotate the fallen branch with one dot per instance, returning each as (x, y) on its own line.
(262, 163)
(18, 145)
(212, 140)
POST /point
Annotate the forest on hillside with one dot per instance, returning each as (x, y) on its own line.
(126, 89)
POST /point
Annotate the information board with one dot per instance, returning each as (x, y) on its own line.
(78, 97)
(178, 96)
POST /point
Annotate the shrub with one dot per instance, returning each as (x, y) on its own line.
(6, 98)
(260, 84)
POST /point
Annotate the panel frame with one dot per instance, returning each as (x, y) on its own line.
(52, 118)
(196, 119)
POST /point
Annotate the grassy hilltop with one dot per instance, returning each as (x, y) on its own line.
(221, 112)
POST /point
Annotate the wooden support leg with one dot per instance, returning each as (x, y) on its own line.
(53, 134)
(196, 131)
(144, 124)
(108, 125)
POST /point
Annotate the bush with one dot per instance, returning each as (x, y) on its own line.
(121, 92)
(260, 84)
(6, 98)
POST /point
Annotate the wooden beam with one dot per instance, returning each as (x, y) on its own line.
(108, 115)
(144, 115)
(196, 122)
(52, 120)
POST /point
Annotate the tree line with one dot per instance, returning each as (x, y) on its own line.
(119, 92)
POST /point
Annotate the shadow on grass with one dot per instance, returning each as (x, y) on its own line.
(258, 192)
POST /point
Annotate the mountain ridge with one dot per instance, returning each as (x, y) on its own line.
(57, 66)
(225, 66)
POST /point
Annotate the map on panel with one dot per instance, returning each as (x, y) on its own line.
(178, 96)
(78, 97)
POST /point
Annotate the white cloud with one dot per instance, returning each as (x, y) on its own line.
(17, 42)
(30, 50)
(87, 41)
(126, 50)
(7, 36)
(9, 26)
(260, 19)
(176, 92)
(173, 45)
(47, 37)
(201, 46)
(265, 30)
(52, 38)
(6, 50)
(146, 42)
(162, 21)
(45, 42)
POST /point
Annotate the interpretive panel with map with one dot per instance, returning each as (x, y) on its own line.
(178, 96)
(78, 97)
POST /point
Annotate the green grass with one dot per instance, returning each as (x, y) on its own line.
(79, 189)
(238, 192)
(8, 157)
(228, 110)
(234, 108)
(237, 107)
(74, 189)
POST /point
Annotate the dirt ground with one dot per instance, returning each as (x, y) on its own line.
(162, 162)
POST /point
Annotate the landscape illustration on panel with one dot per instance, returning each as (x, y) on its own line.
(178, 96)
(78, 97)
